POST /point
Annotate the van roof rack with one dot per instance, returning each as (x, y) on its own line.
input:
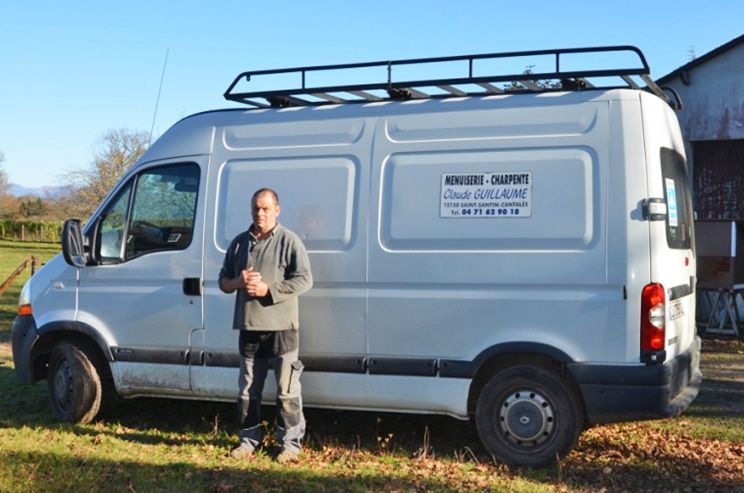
(466, 84)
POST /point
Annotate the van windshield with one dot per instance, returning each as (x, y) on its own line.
(679, 228)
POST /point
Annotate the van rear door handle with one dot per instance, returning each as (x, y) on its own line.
(192, 286)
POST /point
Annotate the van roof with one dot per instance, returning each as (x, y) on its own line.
(194, 134)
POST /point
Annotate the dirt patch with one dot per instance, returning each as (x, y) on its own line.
(6, 353)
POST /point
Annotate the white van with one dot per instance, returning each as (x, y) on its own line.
(522, 258)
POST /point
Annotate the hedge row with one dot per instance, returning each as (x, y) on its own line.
(48, 231)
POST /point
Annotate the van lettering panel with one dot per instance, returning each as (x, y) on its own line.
(561, 217)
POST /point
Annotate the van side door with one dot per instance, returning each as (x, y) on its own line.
(144, 295)
(319, 169)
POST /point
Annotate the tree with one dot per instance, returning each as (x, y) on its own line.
(32, 207)
(8, 207)
(4, 185)
(116, 151)
(8, 203)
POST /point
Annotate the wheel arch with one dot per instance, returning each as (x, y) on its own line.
(501, 356)
(50, 334)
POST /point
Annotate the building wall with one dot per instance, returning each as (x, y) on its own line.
(712, 122)
(714, 99)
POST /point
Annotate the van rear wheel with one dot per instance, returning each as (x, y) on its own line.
(528, 416)
(74, 383)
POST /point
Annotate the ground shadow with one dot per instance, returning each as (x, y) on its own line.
(39, 471)
(667, 474)
(366, 431)
(135, 419)
(718, 399)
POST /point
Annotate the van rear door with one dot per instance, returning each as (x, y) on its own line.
(672, 239)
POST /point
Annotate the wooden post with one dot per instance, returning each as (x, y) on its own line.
(15, 274)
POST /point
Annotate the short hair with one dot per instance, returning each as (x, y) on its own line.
(264, 190)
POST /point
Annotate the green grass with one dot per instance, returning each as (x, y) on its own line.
(168, 445)
(12, 253)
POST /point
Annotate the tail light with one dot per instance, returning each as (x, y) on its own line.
(653, 316)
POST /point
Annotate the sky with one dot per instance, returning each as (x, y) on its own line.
(74, 70)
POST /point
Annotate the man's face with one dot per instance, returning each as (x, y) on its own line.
(265, 211)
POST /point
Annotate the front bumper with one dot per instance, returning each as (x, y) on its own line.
(622, 393)
(24, 335)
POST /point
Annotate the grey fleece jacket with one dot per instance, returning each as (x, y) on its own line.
(283, 263)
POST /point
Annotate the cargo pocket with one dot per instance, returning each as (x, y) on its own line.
(294, 377)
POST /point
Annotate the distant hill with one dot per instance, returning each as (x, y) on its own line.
(43, 192)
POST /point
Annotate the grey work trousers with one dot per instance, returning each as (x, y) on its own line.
(290, 420)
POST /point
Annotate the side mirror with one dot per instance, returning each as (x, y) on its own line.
(73, 248)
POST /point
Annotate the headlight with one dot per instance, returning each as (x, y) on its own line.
(24, 300)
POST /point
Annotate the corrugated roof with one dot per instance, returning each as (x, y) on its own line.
(700, 60)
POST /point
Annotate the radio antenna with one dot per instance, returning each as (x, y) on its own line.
(157, 101)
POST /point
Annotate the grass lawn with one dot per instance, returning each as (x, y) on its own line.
(168, 445)
(12, 253)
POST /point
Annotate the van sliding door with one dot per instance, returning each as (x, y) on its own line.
(319, 169)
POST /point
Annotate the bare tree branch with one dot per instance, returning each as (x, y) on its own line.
(115, 152)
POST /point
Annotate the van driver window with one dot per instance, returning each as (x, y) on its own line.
(112, 227)
(160, 216)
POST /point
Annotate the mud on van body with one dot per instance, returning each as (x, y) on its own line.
(523, 260)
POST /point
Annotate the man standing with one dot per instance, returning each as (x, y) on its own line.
(269, 268)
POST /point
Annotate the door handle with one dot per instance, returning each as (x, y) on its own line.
(192, 286)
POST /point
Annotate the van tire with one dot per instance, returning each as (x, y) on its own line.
(74, 383)
(528, 416)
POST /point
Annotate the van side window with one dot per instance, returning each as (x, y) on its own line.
(160, 215)
(678, 199)
(112, 227)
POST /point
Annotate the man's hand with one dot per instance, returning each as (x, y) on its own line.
(251, 281)
(248, 280)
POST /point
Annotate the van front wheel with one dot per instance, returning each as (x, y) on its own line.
(75, 389)
(528, 416)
